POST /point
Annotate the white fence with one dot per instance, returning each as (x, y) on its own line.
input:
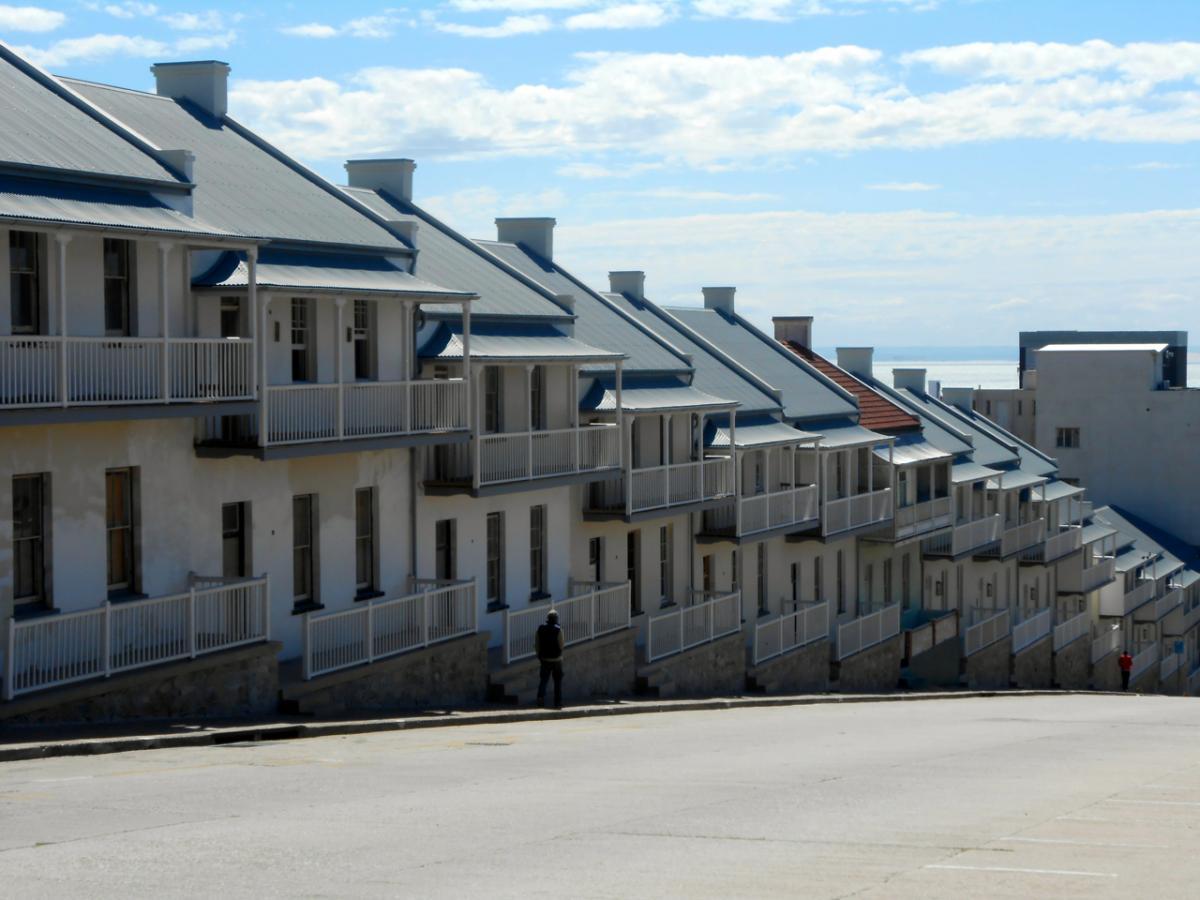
(1072, 630)
(867, 631)
(1193, 682)
(106, 370)
(519, 456)
(690, 626)
(854, 512)
(1142, 661)
(774, 637)
(95, 643)
(1166, 603)
(1106, 643)
(673, 485)
(593, 609)
(930, 634)
(1031, 630)
(965, 537)
(1169, 666)
(377, 629)
(1059, 544)
(762, 512)
(1143, 593)
(1022, 537)
(925, 516)
(985, 633)
(1087, 578)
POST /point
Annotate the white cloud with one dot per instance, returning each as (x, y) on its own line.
(903, 186)
(378, 26)
(788, 10)
(624, 15)
(104, 46)
(30, 18)
(510, 27)
(209, 20)
(598, 170)
(311, 30)
(1156, 166)
(685, 194)
(130, 9)
(517, 5)
(1028, 61)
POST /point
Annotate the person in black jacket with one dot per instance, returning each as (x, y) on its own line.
(549, 644)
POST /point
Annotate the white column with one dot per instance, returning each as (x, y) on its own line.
(621, 418)
(732, 446)
(476, 438)
(339, 340)
(61, 241)
(264, 338)
(466, 341)
(529, 418)
(164, 253)
(258, 335)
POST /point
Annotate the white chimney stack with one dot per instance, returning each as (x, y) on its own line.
(631, 283)
(909, 379)
(960, 397)
(204, 83)
(719, 298)
(536, 233)
(794, 329)
(182, 161)
(393, 176)
(858, 361)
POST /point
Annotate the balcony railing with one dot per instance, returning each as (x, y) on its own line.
(1016, 538)
(664, 487)
(100, 371)
(1131, 600)
(1169, 666)
(378, 629)
(1182, 620)
(1064, 543)
(1029, 631)
(1087, 578)
(1162, 607)
(928, 635)
(1143, 660)
(709, 619)
(1107, 642)
(1072, 630)
(763, 512)
(867, 631)
(1193, 682)
(846, 513)
(790, 631)
(921, 517)
(986, 632)
(591, 610)
(527, 455)
(965, 538)
(111, 638)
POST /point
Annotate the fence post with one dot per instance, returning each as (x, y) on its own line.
(9, 665)
(192, 622)
(427, 603)
(679, 615)
(266, 606)
(370, 631)
(106, 641)
(306, 647)
(592, 617)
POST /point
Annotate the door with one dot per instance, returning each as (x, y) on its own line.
(633, 569)
(234, 558)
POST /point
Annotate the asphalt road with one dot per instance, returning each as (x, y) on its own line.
(1028, 797)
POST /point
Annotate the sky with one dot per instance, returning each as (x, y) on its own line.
(909, 172)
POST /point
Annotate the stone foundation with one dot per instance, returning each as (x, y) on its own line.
(1033, 667)
(451, 674)
(600, 669)
(712, 669)
(1071, 665)
(230, 684)
(1106, 675)
(939, 666)
(801, 671)
(874, 669)
(988, 669)
(1146, 683)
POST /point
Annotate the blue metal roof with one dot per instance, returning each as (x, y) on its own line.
(760, 432)
(509, 342)
(648, 395)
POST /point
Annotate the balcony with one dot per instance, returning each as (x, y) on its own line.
(1128, 601)
(55, 371)
(967, 537)
(929, 634)
(867, 631)
(848, 513)
(1108, 642)
(1143, 660)
(1161, 607)
(665, 487)
(711, 617)
(1181, 620)
(746, 516)
(1064, 543)
(921, 518)
(1071, 630)
(590, 610)
(1169, 666)
(1029, 631)
(790, 631)
(995, 627)
(1087, 578)
(1015, 538)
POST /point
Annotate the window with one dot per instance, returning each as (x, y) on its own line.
(1066, 437)
(706, 573)
(495, 559)
(818, 595)
(231, 317)
(117, 284)
(633, 566)
(537, 551)
(759, 478)
(444, 539)
(596, 558)
(987, 408)
(665, 558)
(887, 582)
(365, 553)
(905, 576)
(29, 497)
(795, 585)
(537, 398)
(25, 281)
(734, 581)
(234, 562)
(119, 507)
(1019, 409)
(841, 583)
(761, 586)
(302, 368)
(492, 420)
(304, 532)
(869, 585)
(363, 337)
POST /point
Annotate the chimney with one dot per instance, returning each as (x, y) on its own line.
(535, 233)
(909, 379)
(631, 283)
(182, 161)
(407, 229)
(960, 398)
(858, 361)
(794, 329)
(566, 300)
(719, 298)
(205, 83)
(395, 176)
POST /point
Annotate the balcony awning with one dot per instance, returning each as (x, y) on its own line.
(842, 436)
(1131, 559)
(1056, 490)
(656, 396)
(1096, 532)
(963, 472)
(758, 434)
(511, 343)
(908, 452)
(1014, 479)
(1163, 566)
(323, 273)
(1187, 578)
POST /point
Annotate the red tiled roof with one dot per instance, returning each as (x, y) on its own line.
(875, 411)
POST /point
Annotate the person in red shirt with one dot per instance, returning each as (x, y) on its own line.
(1125, 661)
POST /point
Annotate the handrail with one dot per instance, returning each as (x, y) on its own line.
(867, 631)
(783, 633)
(592, 610)
(1029, 631)
(984, 633)
(1072, 629)
(686, 627)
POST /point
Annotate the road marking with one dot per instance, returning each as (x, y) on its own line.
(1036, 840)
(1022, 871)
(1155, 802)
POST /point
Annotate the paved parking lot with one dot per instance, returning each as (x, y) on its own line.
(1071, 796)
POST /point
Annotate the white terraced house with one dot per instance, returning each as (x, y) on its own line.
(286, 443)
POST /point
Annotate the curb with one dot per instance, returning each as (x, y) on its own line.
(294, 730)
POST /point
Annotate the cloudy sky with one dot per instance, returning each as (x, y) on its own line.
(915, 172)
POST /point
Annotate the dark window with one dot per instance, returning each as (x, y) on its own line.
(795, 585)
(537, 398)
(492, 418)
(117, 287)
(231, 317)
(537, 550)
(364, 341)
(818, 597)
(233, 541)
(25, 281)
(596, 558)
(29, 539)
(303, 544)
(444, 550)
(301, 340)
(762, 577)
(706, 569)
(633, 569)
(119, 516)
(840, 575)
(364, 540)
(495, 558)
(1066, 437)
(887, 582)
(665, 557)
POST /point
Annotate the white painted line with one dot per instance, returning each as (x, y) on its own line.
(1155, 802)
(1036, 840)
(1022, 871)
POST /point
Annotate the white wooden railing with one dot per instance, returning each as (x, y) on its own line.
(304, 413)
(524, 455)
(1166, 603)
(690, 626)
(1087, 578)
(867, 631)
(106, 370)
(55, 650)
(790, 631)
(924, 516)
(659, 487)
(1143, 593)
(762, 512)
(1021, 537)
(965, 537)
(929, 634)
(986, 632)
(1029, 631)
(591, 609)
(1066, 541)
(377, 629)
(1143, 660)
(1072, 629)
(1105, 643)
(1169, 665)
(846, 513)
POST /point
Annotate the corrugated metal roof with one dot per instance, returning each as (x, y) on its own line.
(1163, 567)
(941, 425)
(1187, 578)
(909, 452)
(1056, 490)
(1013, 479)
(1095, 531)
(446, 257)
(240, 185)
(759, 433)
(712, 375)
(657, 395)
(875, 410)
(968, 471)
(34, 199)
(41, 126)
(320, 272)
(510, 343)
(839, 435)
(805, 394)
(595, 320)
(1132, 559)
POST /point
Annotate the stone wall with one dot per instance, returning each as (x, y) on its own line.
(452, 674)
(1106, 675)
(874, 669)
(710, 669)
(1071, 665)
(939, 666)
(600, 669)
(801, 671)
(1033, 667)
(229, 684)
(1146, 683)
(988, 669)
